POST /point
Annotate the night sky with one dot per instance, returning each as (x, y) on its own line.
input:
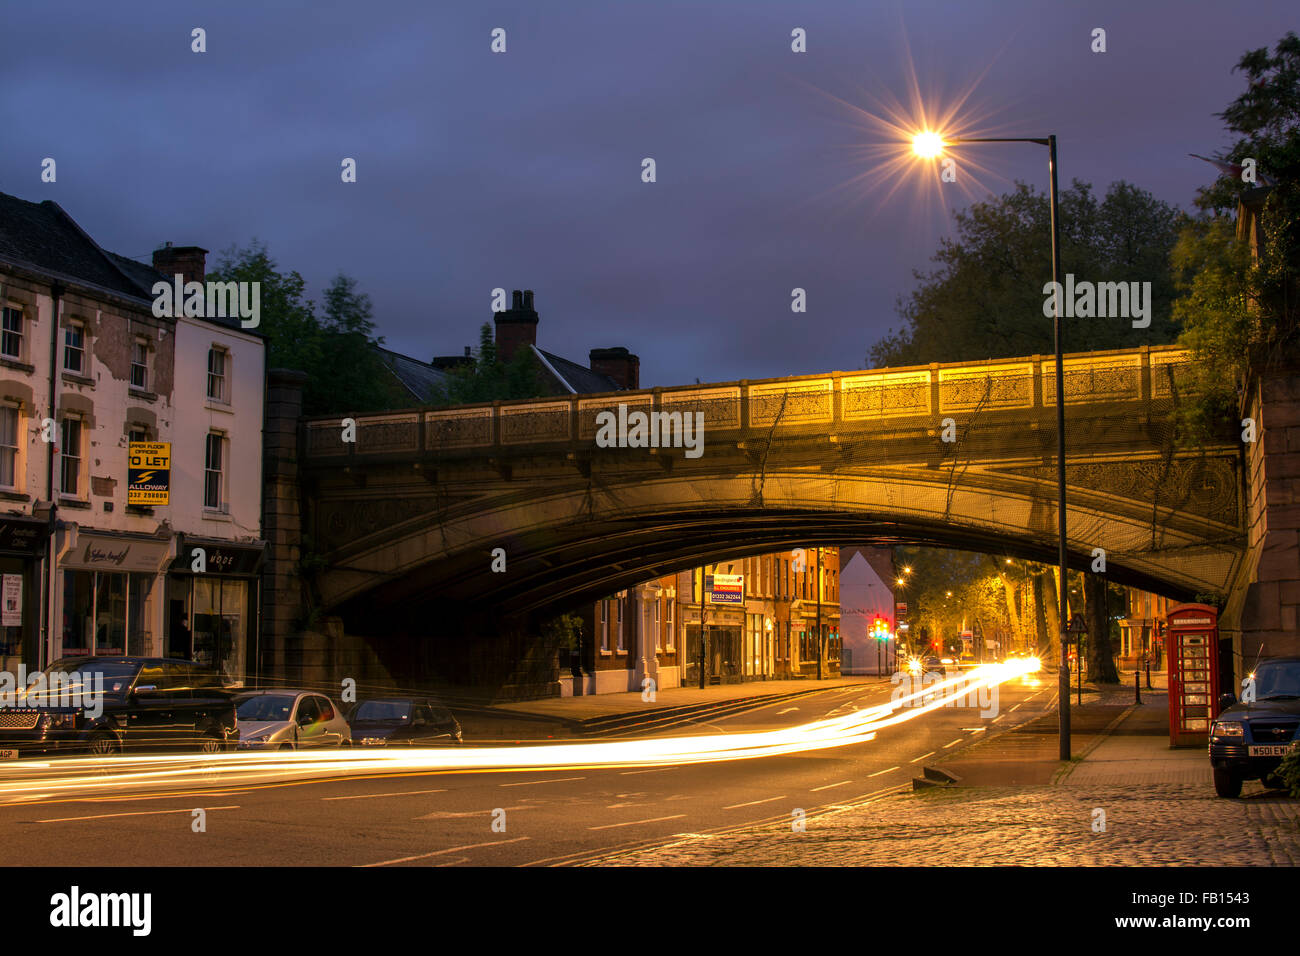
(523, 169)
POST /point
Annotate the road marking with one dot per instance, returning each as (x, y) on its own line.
(998, 717)
(368, 796)
(922, 757)
(953, 743)
(633, 823)
(973, 730)
(1014, 709)
(786, 711)
(529, 783)
(753, 803)
(452, 849)
(629, 773)
(136, 813)
(832, 786)
(881, 772)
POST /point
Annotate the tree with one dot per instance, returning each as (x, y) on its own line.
(1235, 311)
(985, 299)
(344, 373)
(489, 379)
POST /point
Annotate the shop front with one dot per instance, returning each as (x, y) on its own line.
(212, 605)
(22, 548)
(110, 588)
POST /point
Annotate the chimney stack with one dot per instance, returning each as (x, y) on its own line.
(619, 364)
(516, 327)
(188, 261)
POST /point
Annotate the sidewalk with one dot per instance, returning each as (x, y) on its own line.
(1126, 799)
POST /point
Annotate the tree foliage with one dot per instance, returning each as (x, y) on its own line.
(1236, 312)
(985, 298)
(336, 349)
(489, 379)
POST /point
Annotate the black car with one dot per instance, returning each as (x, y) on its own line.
(1249, 739)
(104, 705)
(403, 721)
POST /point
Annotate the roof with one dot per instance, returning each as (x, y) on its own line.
(421, 379)
(578, 379)
(44, 237)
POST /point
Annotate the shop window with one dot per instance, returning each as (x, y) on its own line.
(11, 334)
(217, 375)
(9, 431)
(110, 614)
(78, 612)
(74, 349)
(208, 622)
(70, 457)
(140, 365)
(106, 613)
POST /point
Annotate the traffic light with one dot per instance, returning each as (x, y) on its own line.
(880, 629)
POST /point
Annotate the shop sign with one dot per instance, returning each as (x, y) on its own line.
(24, 536)
(148, 474)
(218, 559)
(726, 588)
(101, 553)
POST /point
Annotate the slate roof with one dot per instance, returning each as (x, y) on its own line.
(419, 378)
(581, 380)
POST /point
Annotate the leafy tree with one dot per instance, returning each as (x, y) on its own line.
(1237, 312)
(985, 298)
(489, 379)
(337, 353)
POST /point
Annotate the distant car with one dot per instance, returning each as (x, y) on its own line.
(290, 720)
(147, 703)
(1249, 740)
(403, 721)
(934, 665)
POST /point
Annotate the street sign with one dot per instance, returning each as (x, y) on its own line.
(1076, 629)
(148, 474)
(902, 609)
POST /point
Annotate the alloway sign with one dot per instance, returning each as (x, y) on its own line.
(148, 473)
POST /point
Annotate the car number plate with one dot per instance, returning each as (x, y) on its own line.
(8, 754)
(1270, 750)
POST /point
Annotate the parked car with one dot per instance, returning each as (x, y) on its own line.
(290, 720)
(105, 705)
(404, 721)
(1249, 739)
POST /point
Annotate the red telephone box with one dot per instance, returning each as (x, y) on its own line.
(1192, 649)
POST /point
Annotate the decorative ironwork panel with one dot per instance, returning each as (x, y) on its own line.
(1170, 371)
(534, 422)
(886, 395)
(388, 434)
(993, 386)
(720, 406)
(589, 408)
(1110, 379)
(457, 428)
(793, 403)
(325, 439)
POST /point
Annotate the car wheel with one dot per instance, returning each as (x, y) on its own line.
(1227, 784)
(104, 745)
(213, 743)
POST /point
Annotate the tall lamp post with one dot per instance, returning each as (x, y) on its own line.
(928, 145)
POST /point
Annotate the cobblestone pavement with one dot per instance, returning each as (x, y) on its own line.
(1151, 825)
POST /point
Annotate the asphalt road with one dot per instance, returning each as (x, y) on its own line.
(505, 818)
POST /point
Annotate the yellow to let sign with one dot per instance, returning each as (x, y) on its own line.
(148, 473)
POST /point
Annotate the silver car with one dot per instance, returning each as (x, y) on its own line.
(290, 720)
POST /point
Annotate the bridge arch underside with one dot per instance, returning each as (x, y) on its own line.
(570, 542)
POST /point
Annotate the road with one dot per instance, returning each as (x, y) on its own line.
(506, 818)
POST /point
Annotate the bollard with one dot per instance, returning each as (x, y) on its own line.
(1137, 686)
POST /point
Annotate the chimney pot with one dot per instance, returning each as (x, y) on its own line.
(516, 300)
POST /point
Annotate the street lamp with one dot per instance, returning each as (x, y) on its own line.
(928, 144)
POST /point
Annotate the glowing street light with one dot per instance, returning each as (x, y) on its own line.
(929, 144)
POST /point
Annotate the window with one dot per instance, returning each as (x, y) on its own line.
(11, 334)
(70, 457)
(8, 446)
(212, 475)
(670, 626)
(74, 349)
(618, 622)
(217, 375)
(604, 625)
(658, 641)
(140, 365)
(138, 433)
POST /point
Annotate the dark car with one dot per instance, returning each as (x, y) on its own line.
(1249, 739)
(403, 721)
(104, 705)
(934, 665)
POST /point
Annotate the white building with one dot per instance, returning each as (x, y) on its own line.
(86, 369)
